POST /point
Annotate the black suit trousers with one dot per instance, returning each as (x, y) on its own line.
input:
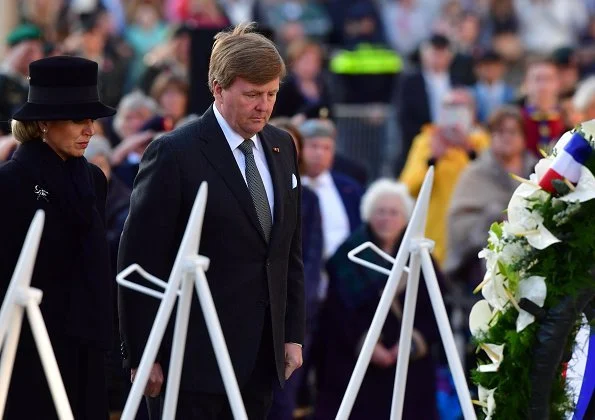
(257, 393)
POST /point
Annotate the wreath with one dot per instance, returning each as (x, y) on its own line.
(539, 286)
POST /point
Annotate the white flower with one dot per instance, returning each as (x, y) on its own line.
(528, 223)
(496, 354)
(494, 290)
(534, 289)
(480, 317)
(585, 188)
(513, 252)
(486, 401)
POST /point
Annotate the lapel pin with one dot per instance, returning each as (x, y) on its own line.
(276, 149)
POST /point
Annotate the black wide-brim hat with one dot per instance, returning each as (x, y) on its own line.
(63, 88)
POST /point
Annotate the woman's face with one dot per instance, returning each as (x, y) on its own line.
(173, 102)
(68, 138)
(508, 139)
(308, 65)
(388, 218)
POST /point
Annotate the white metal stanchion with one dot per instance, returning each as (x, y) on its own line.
(415, 247)
(21, 296)
(188, 270)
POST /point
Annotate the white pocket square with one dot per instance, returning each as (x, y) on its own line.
(293, 181)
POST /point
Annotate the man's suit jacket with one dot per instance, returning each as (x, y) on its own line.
(246, 275)
(351, 195)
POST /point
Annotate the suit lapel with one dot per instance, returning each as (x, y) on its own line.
(216, 150)
(276, 169)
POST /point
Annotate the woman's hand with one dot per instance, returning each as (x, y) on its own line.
(131, 144)
(383, 357)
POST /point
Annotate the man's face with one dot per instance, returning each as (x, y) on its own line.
(436, 59)
(491, 72)
(317, 155)
(542, 83)
(246, 106)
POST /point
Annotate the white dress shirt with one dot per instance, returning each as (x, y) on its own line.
(335, 223)
(234, 140)
(437, 86)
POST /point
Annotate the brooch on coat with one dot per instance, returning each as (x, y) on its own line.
(41, 193)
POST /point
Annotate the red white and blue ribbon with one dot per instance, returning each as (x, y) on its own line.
(568, 162)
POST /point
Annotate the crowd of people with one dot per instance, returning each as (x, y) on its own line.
(481, 89)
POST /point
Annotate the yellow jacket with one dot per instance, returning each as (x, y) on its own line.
(447, 171)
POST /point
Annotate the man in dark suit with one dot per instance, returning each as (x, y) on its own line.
(251, 234)
(421, 92)
(339, 195)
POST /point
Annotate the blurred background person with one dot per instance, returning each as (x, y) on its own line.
(407, 24)
(482, 194)
(354, 294)
(549, 24)
(491, 90)
(172, 57)
(568, 69)
(338, 194)
(542, 119)
(304, 92)
(449, 145)
(146, 31)
(134, 111)
(170, 92)
(24, 45)
(422, 92)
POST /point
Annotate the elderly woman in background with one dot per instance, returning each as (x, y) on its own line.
(482, 194)
(48, 172)
(134, 111)
(353, 296)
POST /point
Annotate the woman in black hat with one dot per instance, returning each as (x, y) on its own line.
(48, 171)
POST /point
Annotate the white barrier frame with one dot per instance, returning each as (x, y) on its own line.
(415, 248)
(21, 297)
(188, 271)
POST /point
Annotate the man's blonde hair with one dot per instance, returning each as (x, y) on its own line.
(246, 54)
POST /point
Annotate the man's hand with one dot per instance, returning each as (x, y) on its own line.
(155, 381)
(293, 358)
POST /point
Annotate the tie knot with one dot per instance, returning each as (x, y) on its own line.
(246, 147)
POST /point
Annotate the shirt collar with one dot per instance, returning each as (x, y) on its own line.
(233, 138)
(324, 179)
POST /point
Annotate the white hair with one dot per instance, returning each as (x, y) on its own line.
(382, 188)
(585, 94)
(130, 102)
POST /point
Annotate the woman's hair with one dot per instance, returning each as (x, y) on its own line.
(298, 48)
(166, 80)
(502, 113)
(382, 188)
(25, 131)
(246, 54)
(133, 101)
